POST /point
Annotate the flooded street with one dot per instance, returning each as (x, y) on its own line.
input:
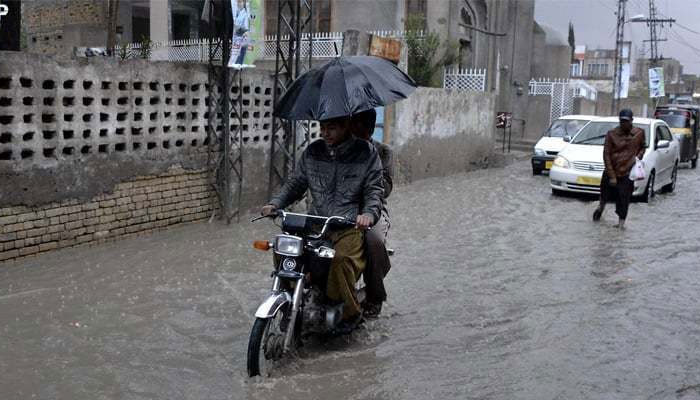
(498, 291)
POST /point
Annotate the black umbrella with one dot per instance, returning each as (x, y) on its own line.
(343, 87)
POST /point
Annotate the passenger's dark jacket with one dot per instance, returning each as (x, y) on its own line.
(345, 180)
(387, 157)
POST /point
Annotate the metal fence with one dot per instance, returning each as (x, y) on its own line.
(544, 86)
(468, 80)
(325, 45)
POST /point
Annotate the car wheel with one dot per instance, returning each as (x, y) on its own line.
(557, 192)
(649, 192)
(694, 162)
(536, 171)
(674, 175)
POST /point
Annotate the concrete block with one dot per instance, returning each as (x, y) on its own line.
(36, 232)
(91, 206)
(13, 227)
(107, 218)
(56, 228)
(8, 255)
(31, 216)
(8, 220)
(55, 212)
(84, 238)
(108, 203)
(48, 246)
(25, 251)
(6, 237)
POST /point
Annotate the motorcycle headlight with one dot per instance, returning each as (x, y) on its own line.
(562, 162)
(288, 245)
(540, 152)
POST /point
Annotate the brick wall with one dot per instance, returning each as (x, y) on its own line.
(137, 206)
(53, 27)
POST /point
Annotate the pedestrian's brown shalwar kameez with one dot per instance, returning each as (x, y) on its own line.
(619, 153)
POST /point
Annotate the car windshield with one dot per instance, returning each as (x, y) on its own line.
(565, 127)
(676, 121)
(594, 133)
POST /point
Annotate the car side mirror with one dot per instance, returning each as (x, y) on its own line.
(567, 139)
(663, 144)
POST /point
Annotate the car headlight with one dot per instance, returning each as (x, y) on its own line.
(540, 152)
(288, 245)
(562, 162)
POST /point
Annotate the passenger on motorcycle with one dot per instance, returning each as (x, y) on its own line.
(344, 177)
(378, 263)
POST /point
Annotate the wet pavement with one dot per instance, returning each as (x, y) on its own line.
(498, 291)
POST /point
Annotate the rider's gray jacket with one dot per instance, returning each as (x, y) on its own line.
(344, 180)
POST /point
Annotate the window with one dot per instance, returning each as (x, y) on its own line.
(666, 134)
(597, 69)
(418, 8)
(321, 16)
(661, 134)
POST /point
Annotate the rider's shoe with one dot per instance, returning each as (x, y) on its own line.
(346, 327)
(371, 310)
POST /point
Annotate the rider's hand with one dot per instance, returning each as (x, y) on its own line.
(268, 210)
(612, 181)
(363, 221)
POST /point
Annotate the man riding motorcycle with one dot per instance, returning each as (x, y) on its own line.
(344, 177)
(378, 263)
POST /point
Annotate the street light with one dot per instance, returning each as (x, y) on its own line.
(638, 18)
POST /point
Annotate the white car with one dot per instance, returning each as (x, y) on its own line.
(547, 148)
(579, 166)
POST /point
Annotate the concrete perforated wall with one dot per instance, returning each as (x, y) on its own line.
(78, 132)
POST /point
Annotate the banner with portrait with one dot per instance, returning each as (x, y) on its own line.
(656, 83)
(247, 42)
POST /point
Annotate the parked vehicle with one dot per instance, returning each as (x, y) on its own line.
(579, 166)
(297, 304)
(684, 120)
(552, 141)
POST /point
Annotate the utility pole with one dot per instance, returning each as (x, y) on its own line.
(619, 38)
(654, 40)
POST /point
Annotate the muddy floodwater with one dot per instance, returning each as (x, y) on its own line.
(498, 291)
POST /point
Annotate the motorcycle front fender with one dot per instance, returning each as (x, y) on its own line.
(272, 304)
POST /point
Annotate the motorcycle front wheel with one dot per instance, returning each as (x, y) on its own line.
(266, 344)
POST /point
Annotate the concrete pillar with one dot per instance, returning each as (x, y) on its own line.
(160, 27)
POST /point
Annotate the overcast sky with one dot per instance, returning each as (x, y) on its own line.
(594, 25)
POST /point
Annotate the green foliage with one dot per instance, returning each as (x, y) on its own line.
(145, 49)
(123, 51)
(427, 54)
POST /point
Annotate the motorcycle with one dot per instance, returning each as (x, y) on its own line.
(297, 303)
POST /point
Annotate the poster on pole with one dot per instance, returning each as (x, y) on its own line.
(624, 85)
(247, 43)
(656, 82)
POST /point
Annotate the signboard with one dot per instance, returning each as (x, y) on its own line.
(504, 119)
(389, 49)
(656, 82)
(624, 84)
(247, 43)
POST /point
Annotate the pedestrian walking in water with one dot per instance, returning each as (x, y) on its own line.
(623, 146)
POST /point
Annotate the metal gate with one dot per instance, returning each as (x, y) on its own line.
(562, 101)
(561, 93)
